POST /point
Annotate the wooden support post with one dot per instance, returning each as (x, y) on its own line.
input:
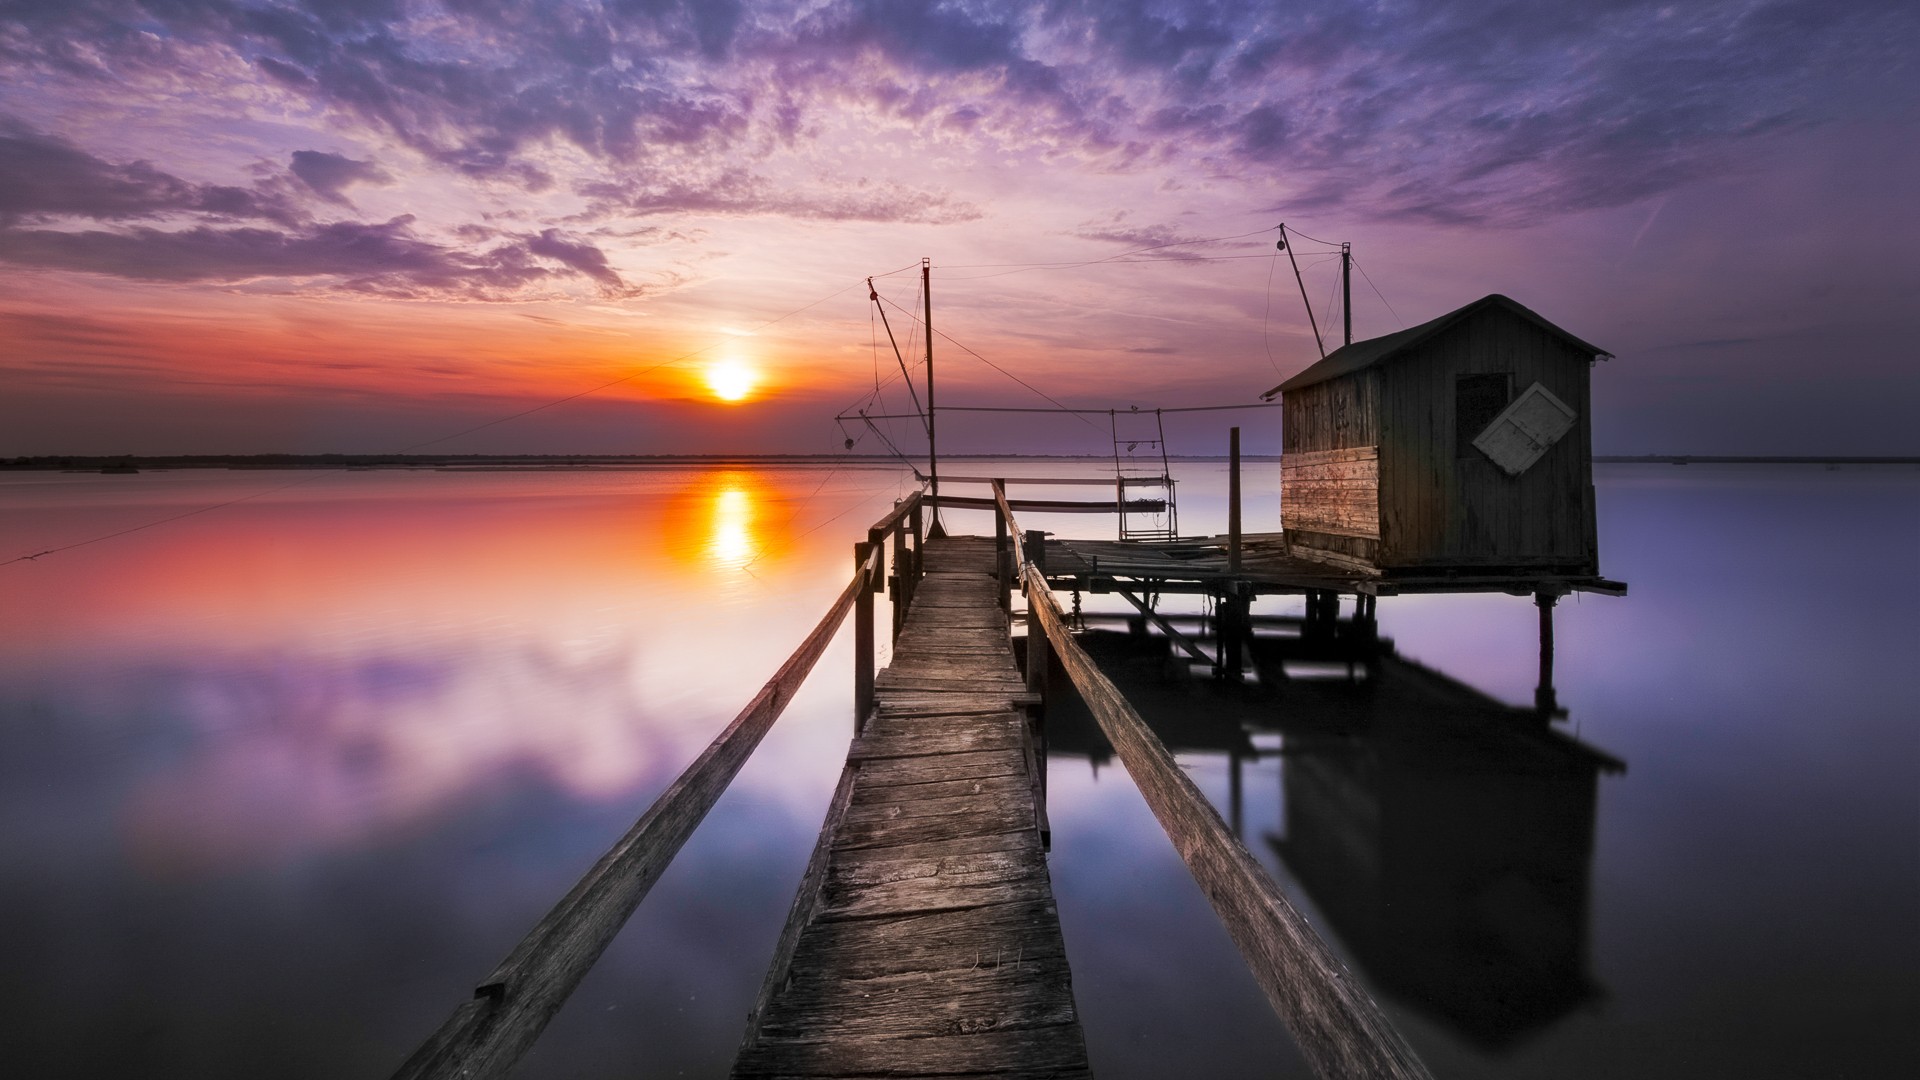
(1036, 550)
(1037, 666)
(1002, 555)
(862, 645)
(902, 578)
(1543, 695)
(1233, 501)
(919, 545)
(1230, 630)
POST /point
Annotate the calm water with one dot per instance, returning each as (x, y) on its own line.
(283, 780)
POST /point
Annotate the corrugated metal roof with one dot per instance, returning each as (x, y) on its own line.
(1364, 354)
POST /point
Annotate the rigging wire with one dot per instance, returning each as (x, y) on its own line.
(1378, 293)
(1090, 262)
(873, 295)
(1086, 412)
(1266, 312)
(1333, 291)
(963, 348)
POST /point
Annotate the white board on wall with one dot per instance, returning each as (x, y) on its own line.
(1525, 429)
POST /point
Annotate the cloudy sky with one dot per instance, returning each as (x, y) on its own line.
(367, 225)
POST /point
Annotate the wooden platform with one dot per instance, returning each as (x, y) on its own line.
(1200, 565)
(924, 940)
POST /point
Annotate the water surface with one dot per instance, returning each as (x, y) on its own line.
(282, 780)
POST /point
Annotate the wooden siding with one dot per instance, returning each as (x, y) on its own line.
(1332, 491)
(1334, 415)
(1437, 510)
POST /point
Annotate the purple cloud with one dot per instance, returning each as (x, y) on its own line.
(327, 174)
(1477, 111)
(739, 192)
(43, 177)
(384, 259)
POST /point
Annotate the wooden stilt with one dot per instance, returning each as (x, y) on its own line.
(862, 645)
(1543, 695)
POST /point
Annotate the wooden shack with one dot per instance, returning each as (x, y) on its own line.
(1457, 447)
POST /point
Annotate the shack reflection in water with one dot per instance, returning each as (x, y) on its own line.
(1445, 837)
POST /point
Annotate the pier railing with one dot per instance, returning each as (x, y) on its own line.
(489, 1033)
(1338, 1027)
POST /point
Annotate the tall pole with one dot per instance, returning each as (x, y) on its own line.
(933, 446)
(1233, 500)
(1298, 280)
(1346, 287)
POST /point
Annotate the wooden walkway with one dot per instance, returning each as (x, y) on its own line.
(924, 940)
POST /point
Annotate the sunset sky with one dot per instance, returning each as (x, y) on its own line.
(235, 226)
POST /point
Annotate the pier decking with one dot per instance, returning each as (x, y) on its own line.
(925, 939)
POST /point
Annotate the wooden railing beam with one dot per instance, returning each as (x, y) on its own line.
(1336, 1025)
(488, 1034)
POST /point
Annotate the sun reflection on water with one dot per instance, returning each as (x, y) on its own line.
(731, 541)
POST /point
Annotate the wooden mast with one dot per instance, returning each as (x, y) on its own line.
(933, 446)
(1346, 287)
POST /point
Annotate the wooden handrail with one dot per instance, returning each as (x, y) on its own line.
(1336, 1025)
(487, 1035)
(1006, 514)
(898, 514)
(1056, 506)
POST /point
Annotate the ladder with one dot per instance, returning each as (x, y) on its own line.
(1143, 478)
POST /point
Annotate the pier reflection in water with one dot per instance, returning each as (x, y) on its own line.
(1445, 838)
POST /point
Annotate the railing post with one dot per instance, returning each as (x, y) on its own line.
(919, 545)
(1037, 666)
(862, 643)
(1001, 570)
(902, 584)
(1036, 549)
(1233, 501)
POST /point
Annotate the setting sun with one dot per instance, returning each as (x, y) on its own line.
(731, 380)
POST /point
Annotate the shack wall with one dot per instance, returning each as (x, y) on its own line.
(1442, 510)
(1329, 470)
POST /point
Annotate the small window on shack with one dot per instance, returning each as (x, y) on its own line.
(1477, 399)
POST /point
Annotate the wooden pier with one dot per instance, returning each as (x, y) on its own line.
(925, 940)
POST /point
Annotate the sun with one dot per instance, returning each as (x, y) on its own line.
(731, 380)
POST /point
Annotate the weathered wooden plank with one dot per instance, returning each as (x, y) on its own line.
(963, 766)
(867, 748)
(1050, 1051)
(1023, 841)
(1007, 783)
(1018, 993)
(961, 939)
(1306, 458)
(991, 818)
(948, 677)
(894, 886)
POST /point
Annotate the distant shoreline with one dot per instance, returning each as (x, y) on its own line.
(138, 462)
